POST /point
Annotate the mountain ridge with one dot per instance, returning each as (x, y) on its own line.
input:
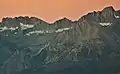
(108, 8)
(90, 45)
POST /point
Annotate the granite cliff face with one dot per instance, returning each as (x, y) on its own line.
(90, 45)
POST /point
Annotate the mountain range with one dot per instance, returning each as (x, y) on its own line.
(89, 45)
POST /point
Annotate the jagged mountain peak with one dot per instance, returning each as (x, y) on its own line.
(23, 19)
(107, 15)
(108, 12)
(64, 19)
(109, 8)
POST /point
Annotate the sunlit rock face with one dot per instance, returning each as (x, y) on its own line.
(90, 45)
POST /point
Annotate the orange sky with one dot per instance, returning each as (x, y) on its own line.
(50, 10)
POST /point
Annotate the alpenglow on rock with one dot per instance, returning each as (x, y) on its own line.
(90, 45)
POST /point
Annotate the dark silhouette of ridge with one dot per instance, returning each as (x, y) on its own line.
(105, 10)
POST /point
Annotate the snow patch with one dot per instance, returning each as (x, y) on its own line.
(116, 16)
(47, 31)
(11, 28)
(7, 28)
(63, 29)
(3, 28)
(39, 32)
(32, 32)
(23, 26)
(106, 24)
(26, 26)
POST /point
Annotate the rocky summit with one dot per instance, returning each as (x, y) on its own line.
(90, 45)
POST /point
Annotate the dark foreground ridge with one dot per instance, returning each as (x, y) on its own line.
(90, 45)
